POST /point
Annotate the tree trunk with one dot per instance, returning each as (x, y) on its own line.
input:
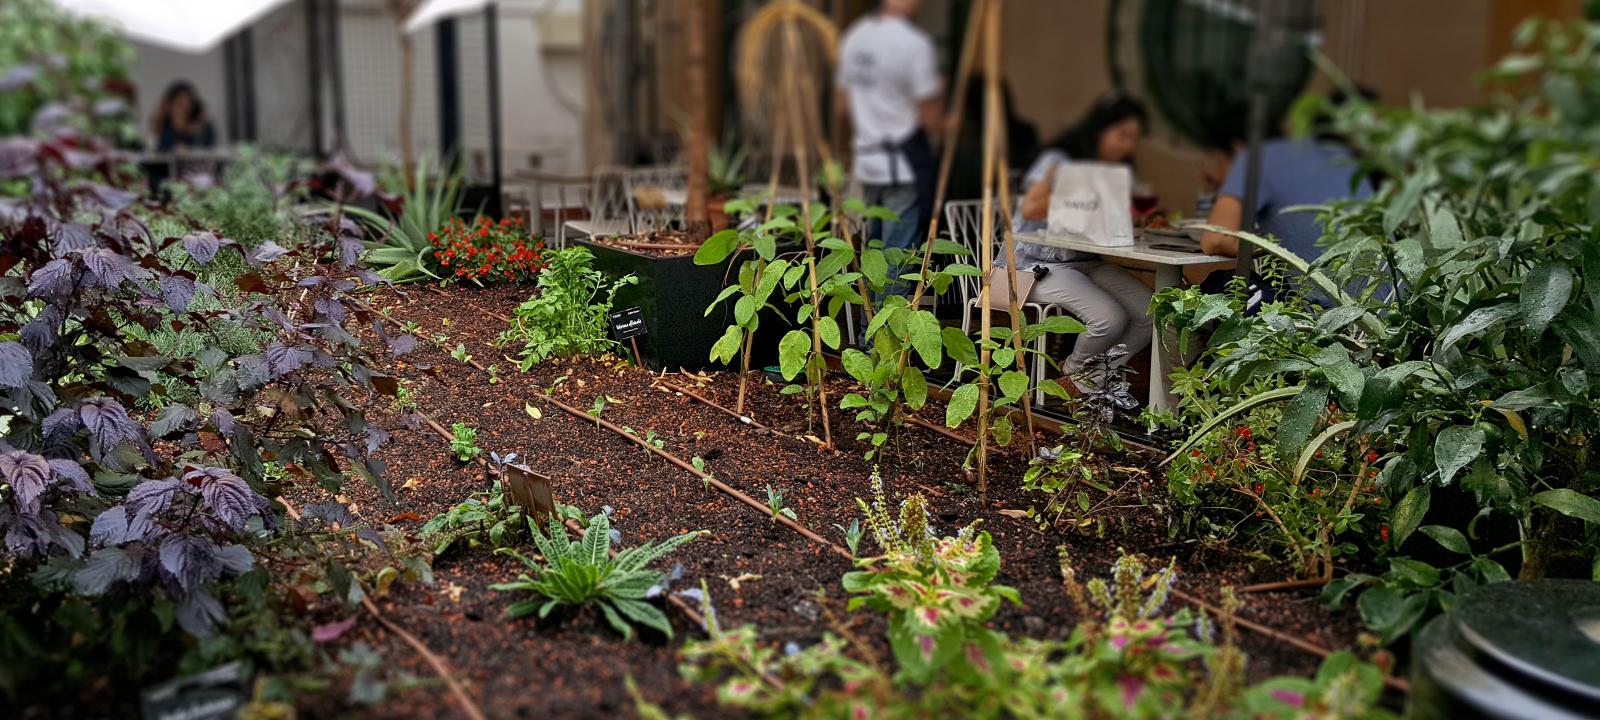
(697, 208)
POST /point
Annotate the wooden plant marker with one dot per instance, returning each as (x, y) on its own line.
(528, 490)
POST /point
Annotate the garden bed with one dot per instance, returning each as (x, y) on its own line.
(576, 668)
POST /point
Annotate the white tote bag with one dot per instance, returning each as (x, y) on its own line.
(1093, 202)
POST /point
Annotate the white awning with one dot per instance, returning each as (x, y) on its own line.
(432, 10)
(192, 26)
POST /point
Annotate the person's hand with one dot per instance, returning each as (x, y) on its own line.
(1036, 203)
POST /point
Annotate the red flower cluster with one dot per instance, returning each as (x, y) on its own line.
(485, 251)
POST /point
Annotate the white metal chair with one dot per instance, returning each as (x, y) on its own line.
(607, 204)
(656, 196)
(963, 219)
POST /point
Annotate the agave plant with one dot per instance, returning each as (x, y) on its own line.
(399, 248)
(581, 572)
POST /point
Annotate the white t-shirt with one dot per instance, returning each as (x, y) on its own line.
(886, 67)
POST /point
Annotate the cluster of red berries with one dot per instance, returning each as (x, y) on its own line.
(486, 251)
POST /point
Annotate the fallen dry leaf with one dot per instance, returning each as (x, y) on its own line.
(1018, 514)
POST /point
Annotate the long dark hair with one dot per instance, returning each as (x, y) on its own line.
(197, 109)
(1082, 140)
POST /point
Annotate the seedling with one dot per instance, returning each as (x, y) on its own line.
(598, 407)
(775, 504)
(461, 354)
(852, 534)
(464, 442)
(494, 374)
(699, 463)
(655, 442)
(403, 399)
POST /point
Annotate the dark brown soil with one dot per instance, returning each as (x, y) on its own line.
(758, 571)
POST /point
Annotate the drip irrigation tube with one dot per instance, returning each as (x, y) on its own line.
(1292, 640)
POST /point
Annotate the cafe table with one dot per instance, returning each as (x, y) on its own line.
(1168, 264)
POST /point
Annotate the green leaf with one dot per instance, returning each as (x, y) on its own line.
(793, 350)
(1455, 448)
(1013, 384)
(1054, 325)
(858, 364)
(1339, 318)
(874, 267)
(1477, 321)
(1571, 503)
(1316, 444)
(1001, 427)
(766, 245)
(915, 387)
(1346, 378)
(1545, 292)
(744, 309)
(1443, 230)
(1250, 403)
(829, 329)
(1300, 418)
(1408, 514)
(923, 328)
(1448, 537)
(963, 402)
(959, 346)
(727, 346)
(717, 248)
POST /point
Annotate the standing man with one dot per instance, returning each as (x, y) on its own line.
(888, 82)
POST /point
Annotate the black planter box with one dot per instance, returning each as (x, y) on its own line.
(672, 294)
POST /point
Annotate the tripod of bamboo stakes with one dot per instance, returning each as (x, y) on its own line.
(983, 34)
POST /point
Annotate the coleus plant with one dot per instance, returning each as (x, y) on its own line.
(110, 497)
(938, 592)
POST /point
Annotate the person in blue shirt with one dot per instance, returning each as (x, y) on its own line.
(1294, 171)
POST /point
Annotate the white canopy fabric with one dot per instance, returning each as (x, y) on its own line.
(431, 10)
(192, 26)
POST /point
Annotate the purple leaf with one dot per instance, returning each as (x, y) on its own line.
(150, 497)
(177, 290)
(349, 251)
(283, 359)
(60, 425)
(375, 436)
(189, 560)
(253, 371)
(54, 278)
(108, 424)
(111, 197)
(109, 106)
(331, 631)
(106, 567)
(72, 473)
(235, 558)
(109, 267)
(333, 513)
(40, 332)
(199, 613)
(111, 527)
(29, 476)
(173, 418)
(18, 77)
(72, 237)
(229, 496)
(402, 345)
(223, 420)
(333, 309)
(372, 536)
(16, 364)
(202, 246)
(18, 157)
(267, 252)
(50, 117)
(1288, 697)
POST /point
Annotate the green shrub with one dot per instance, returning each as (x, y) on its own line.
(584, 572)
(568, 314)
(399, 246)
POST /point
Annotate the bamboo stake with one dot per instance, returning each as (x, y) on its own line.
(808, 117)
(772, 196)
(791, 58)
(1004, 183)
(991, 136)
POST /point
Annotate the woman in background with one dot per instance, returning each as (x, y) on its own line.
(180, 121)
(1111, 303)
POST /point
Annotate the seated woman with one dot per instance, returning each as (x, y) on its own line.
(181, 122)
(1111, 303)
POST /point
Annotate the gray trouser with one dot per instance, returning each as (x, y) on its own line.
(1111, 303)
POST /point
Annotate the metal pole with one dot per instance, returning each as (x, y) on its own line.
(491, 44)
(314, 82)
(449, 91)
(336, 71)
(247, 71)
